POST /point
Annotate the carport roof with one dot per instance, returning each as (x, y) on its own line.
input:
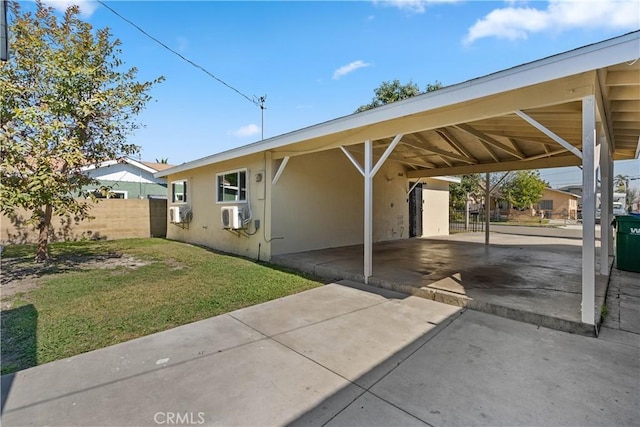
(525, 117)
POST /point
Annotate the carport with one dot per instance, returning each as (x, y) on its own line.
(313, 188)
(579, 108)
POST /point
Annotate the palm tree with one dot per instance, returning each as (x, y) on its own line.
(621, 182)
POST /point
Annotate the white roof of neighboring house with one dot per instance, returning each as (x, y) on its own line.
(457, 109)
(145, 166)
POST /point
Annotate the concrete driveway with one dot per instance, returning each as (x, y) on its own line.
(338, 355)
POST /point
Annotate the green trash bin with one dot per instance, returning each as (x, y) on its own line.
(627, 242)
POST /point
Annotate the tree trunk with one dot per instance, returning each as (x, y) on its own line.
(43, 237)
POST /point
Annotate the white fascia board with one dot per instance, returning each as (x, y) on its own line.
(139, 165)
(591, 57)
(101, 165)
(562, 192)
(453, 179)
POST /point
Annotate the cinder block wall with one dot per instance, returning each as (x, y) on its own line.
(113, 219)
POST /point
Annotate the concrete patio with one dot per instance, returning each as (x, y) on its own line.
(338, 355)
(534, 279)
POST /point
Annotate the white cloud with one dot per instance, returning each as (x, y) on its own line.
(411, 6)
(87, 7)
(245, 131)
(515, 23)
(349, 68)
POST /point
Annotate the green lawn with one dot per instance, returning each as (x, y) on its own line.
(95, 294)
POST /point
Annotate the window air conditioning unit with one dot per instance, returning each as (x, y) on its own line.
(231, 217)
(178, 214)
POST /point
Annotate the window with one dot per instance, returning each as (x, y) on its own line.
(107, 193)
(179, 192)
(232, 186)
(545, 205)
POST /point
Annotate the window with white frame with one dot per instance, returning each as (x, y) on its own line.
(107, 193)
(179, 191)
(231, 186)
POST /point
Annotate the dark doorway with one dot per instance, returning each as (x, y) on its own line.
(415, 212)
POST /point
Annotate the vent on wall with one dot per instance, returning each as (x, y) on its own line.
(231, 217)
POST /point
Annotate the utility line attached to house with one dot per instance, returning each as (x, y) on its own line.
(257, 101)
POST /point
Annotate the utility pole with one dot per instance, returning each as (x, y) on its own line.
(4, 31)
(262, 100)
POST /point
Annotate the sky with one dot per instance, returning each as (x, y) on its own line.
(317, 61)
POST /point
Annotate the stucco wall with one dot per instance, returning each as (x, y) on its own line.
(435, 215)
(205, 227)
(113, 219)
(564, 205)
(318, 203)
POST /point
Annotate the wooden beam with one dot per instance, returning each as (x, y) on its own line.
(399, 158)
(623, 93)
(489, 140)
(515, 147)
(492, 153)
(445, 161)
(626, 117)
(546, 154)
(626, 106)
(623, 78)
(549, 133)
(452, 141)
(551, 162)
(546, 143)
(283, 165)
(386, 154)
(353, 160)
(428, 147)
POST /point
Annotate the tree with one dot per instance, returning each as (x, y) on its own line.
(163, 160)
(524, 189)
(66, 104)
(632, 195)
(458, 191)
(394, 91)
(621, 182)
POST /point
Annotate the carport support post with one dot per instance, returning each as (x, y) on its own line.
(368, 210)
(605, 206)
(487, 206)
(588, 209)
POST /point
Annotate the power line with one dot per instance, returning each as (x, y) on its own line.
(259, 102)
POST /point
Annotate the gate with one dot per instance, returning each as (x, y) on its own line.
(458, 221)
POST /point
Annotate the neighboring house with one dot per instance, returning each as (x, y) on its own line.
(128, 179)
(619, 200)
(557, 204)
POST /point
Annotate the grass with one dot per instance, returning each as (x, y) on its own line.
(79, 306)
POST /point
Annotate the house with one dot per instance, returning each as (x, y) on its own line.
(558, 204)
(127, 178)
(347, 181)
(618, 202)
